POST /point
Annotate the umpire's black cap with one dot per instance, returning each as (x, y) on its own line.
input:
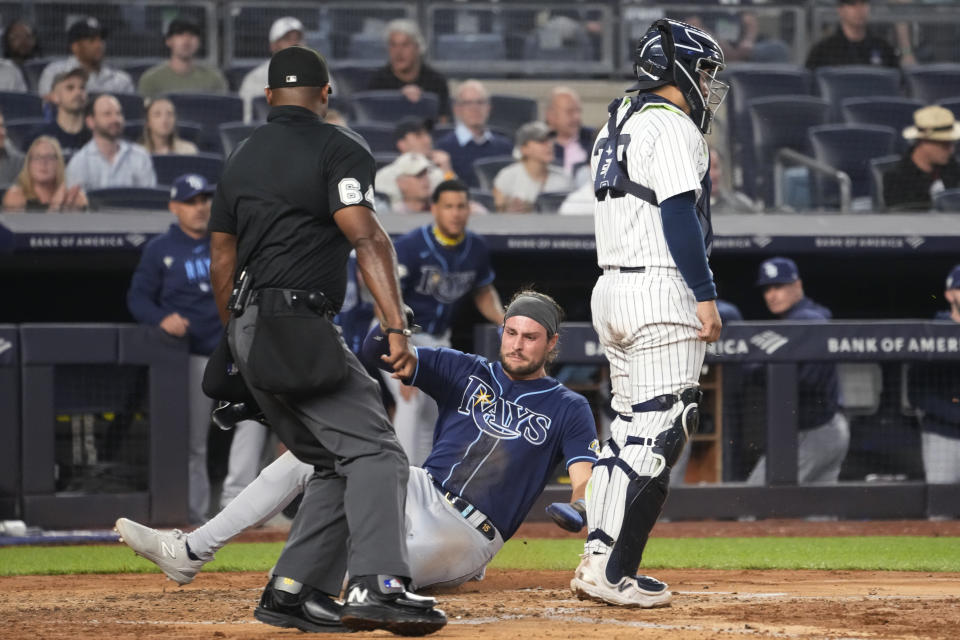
(297, 66)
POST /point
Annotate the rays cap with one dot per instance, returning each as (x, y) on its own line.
(297, 66)
(188, 186)
(85, 28)
(777, 271)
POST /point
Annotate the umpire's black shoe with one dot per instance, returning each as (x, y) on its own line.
(310, 610)
(382, 602)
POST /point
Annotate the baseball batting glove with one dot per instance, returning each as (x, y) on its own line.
(569, 516)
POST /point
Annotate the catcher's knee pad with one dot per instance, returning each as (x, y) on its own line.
(672, 440)
(646, 476)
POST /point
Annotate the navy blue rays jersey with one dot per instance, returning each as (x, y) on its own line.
(434, 277)
(497, 439)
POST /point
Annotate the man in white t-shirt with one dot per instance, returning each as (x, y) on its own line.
(285, 32)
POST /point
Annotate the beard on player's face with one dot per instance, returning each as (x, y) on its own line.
(518, 364)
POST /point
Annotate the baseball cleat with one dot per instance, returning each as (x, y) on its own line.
(166, 549)
(309, 610)
(382, 602)
(589, 583)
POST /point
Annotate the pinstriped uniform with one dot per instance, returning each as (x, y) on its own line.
(646, 322)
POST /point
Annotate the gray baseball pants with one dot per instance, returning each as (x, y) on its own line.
(358, 489)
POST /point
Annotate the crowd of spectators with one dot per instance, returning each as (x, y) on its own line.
(544, 157)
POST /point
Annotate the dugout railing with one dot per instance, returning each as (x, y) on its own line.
(778, 348)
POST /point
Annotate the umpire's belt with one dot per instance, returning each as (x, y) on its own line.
(305, 299)
(472, 515)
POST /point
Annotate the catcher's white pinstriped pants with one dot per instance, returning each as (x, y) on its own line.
(647, 324)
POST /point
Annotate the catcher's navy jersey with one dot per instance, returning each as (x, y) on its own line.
(497, 439)
(434, 277)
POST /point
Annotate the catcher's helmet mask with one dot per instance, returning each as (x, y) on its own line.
(673, 52)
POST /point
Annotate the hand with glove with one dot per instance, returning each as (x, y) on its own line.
(570, 516)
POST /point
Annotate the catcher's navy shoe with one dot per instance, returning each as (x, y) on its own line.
(307, 610)
(590, 583)
(382, 602)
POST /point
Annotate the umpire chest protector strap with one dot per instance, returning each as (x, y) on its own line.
(612, 178)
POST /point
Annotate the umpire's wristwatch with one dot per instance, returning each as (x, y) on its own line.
(403, 332)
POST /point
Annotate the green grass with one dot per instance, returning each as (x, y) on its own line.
(881, 553)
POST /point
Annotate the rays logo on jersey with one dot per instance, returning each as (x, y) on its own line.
(499, 418)
(445, 287)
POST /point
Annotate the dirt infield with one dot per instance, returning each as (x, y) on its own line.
(509, 604)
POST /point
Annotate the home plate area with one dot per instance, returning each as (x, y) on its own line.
(510, 604)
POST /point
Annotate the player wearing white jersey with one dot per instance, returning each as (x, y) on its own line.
(654, 306)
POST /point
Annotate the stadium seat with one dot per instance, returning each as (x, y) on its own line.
(778, 122)
(484, 198)
(878, 168)
(367, 46)
(953, 104)
(32, 70)
(349, 79)
(168, 167)
(550, 202)
(235, 74)
(21, 131)
(153, 198)
(487, 169)
(233, 133)
(209, 110)
(379, 137)
(133, 129)
(136, 69)
(849, 148)
(472, 46)
(260, 109)
(571, 44)
(132, 105)
(509, 113)
(18, 106)
(344, 106)
(836, 84)
(749, 82)
(390, 106)
(933, 82)
(892, 112)
(947, 200)
(383, 158)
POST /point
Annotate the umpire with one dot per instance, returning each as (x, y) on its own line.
(294, 197)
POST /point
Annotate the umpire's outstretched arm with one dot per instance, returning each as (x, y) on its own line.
(377, 261)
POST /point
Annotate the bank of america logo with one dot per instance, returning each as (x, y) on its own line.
(769, 341)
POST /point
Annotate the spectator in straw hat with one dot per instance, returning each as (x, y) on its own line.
(929, 166)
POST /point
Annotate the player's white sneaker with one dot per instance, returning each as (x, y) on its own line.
(590, 583)
(166, 549)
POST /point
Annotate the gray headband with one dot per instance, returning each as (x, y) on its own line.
(535, 308)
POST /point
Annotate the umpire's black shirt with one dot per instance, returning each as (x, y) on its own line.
(278, 193)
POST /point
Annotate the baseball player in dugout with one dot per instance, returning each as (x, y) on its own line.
(654, 307)
(502, 428)
(294, 197)
(440, 265)
(824, 432)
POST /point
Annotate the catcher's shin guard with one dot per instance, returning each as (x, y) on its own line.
(648, 479)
